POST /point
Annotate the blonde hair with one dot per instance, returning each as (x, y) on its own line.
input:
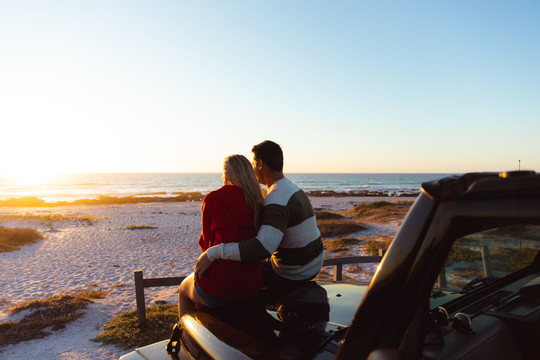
(239, 172)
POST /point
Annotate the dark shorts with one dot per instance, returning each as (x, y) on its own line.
(273, 280)
(212, 301)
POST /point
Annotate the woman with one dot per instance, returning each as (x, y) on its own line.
(230, 213)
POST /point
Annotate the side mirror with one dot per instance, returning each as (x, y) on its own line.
(385, 354)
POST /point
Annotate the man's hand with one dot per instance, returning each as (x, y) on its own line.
(202, 264)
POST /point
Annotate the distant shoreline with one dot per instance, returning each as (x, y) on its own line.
(137, 188)
(361, 193)
(32, 201)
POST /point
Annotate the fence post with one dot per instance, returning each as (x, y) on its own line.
(338, 268)
(442, 278)
(139, 296)
(486, 261)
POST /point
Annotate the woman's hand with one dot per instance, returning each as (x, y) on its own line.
(201, 265)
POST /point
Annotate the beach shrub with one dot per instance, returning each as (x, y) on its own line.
(373, 246)
(330, 228)
(371, 206)
(466, 254)
(381, 211)
(120, 285)
(141, 227)
(12, 239)
(45, 315)
(341, 244)
(354, 268)
(507, 260)
(124, 331)
(327, 215)
(323, 275)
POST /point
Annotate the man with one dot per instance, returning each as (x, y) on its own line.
(288, 239)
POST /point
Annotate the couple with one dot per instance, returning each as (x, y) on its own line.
(249, 242)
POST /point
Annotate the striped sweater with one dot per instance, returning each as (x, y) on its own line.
(288, 234)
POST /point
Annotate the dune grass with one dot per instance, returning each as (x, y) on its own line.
(141, 227)
(124, 331)
(327, 215)
(380, 211)
(12, 239)
(336, 227)
(326, 274)
(49, 219)
(45, 315)
(341, 244)
(374, 245)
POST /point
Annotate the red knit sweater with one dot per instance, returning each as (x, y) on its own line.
(226, 218)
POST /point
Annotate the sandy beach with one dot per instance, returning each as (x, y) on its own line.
(103, 254)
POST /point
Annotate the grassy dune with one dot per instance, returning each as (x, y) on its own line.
(124, 331)
(45, 315)
(380, 211)
(13, 239)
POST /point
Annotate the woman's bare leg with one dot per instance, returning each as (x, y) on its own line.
(188, 297)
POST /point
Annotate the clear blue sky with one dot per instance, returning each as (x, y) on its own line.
(343, 86)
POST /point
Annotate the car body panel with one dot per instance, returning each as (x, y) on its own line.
(154, 351)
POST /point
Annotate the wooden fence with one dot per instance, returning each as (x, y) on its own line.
(486, 266)
(141, 282)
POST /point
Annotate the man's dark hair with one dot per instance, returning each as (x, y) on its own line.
(270, 153)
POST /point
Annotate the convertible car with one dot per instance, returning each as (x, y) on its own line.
(461, 280)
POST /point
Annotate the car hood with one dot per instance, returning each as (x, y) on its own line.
(303, 319)
(344, 299)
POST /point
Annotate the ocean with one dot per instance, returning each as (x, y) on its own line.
(88, 186)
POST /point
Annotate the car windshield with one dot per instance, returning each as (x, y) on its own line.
(479, 259)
